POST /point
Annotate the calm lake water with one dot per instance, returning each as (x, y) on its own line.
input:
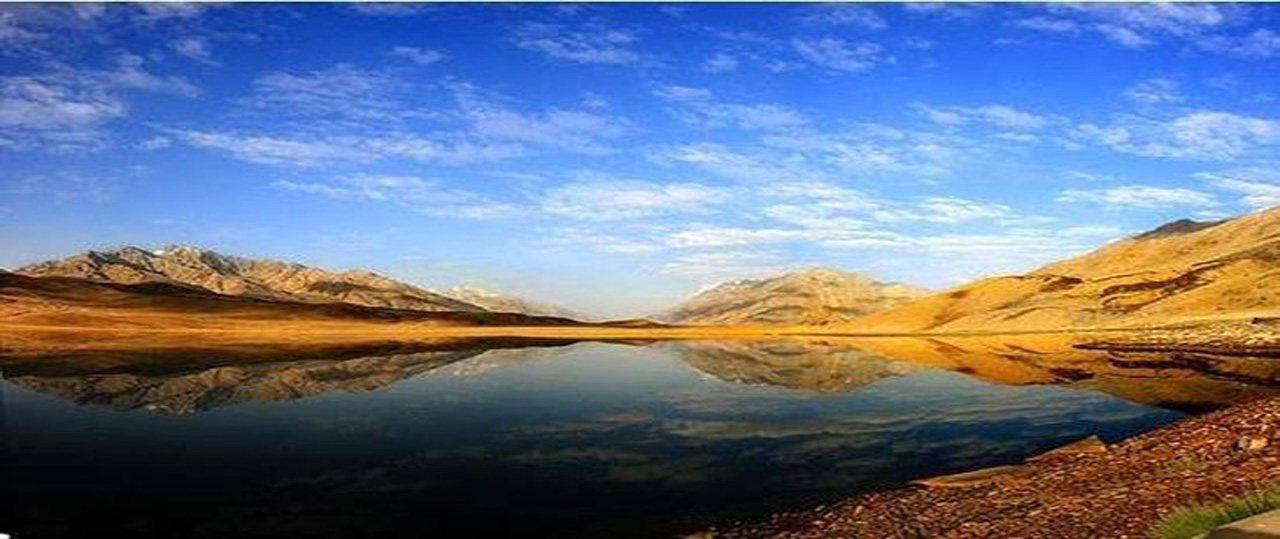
(628, 439)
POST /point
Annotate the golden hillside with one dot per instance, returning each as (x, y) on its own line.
(1179, 273)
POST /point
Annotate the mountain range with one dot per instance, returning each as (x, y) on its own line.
(1182, 272)
(275, 280)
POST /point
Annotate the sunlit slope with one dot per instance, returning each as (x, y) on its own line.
(816, 296)
(81, 303)
(247, 277)
(1181, 272)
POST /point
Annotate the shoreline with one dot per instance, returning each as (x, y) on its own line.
(1085, 489)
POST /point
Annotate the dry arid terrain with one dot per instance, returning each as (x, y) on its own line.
(1183, 272)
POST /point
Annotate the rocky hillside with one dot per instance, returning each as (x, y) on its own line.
(238, 276)
(67, 302)
(1182, 272)
(813, 296)
(505, 303)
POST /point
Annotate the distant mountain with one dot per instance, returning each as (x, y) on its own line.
(812, 296)
(505, 303)
(248, 277)
(1182, 272)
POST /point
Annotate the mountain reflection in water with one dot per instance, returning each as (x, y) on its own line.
(636, 438)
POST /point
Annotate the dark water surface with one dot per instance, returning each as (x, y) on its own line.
(586, 439)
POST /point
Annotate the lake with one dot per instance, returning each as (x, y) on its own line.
(558, 439)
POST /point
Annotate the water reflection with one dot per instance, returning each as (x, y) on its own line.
(561, 439)
(194, 381)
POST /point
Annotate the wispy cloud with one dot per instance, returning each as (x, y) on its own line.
(1202, 134)
(1139, 196)
(1157, 91)
(422, 57)
(420, 194)
(589, 43)
(723, 264)
(1257, 186)
(698, 106)
(841, 55)
(606, 199)
(861, 16)
(1002, 116)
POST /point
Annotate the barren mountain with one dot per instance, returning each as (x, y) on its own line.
(67, 302)
(813, 296)
(1182, 272)
(238, 276)
(505, 303)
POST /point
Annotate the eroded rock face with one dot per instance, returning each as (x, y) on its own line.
(239, 276)
(812, 297)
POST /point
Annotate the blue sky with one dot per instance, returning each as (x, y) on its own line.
(616, 158)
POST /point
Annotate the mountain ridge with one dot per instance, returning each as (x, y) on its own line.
(810, 296)
(243, 276)
(1180, 272)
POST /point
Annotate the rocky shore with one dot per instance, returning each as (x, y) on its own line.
(1087, 490)
(1254, 337)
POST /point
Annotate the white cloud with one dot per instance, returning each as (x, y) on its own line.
(420, 194)
(55, 113)
(699, 106)
(159, 11)
(591, 43)
(1155, 91)
(842, 15)
(603, 199)
(609, 243)
(723, 265)
(573, 130)
(312, 151)
(422, 57)
(874, 149)
(1139, 196)
(61, 187)
(945, 10)
(1257, 186)
(392, 9)
(341, 94)
(950, 210)
(346, 114)
(130, 74)
(1204, 134)
(1137, 25)
(1261, 43)
(994, 115)
(721, 62)
(839, 54)
(193, 47)
(1047, 24)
